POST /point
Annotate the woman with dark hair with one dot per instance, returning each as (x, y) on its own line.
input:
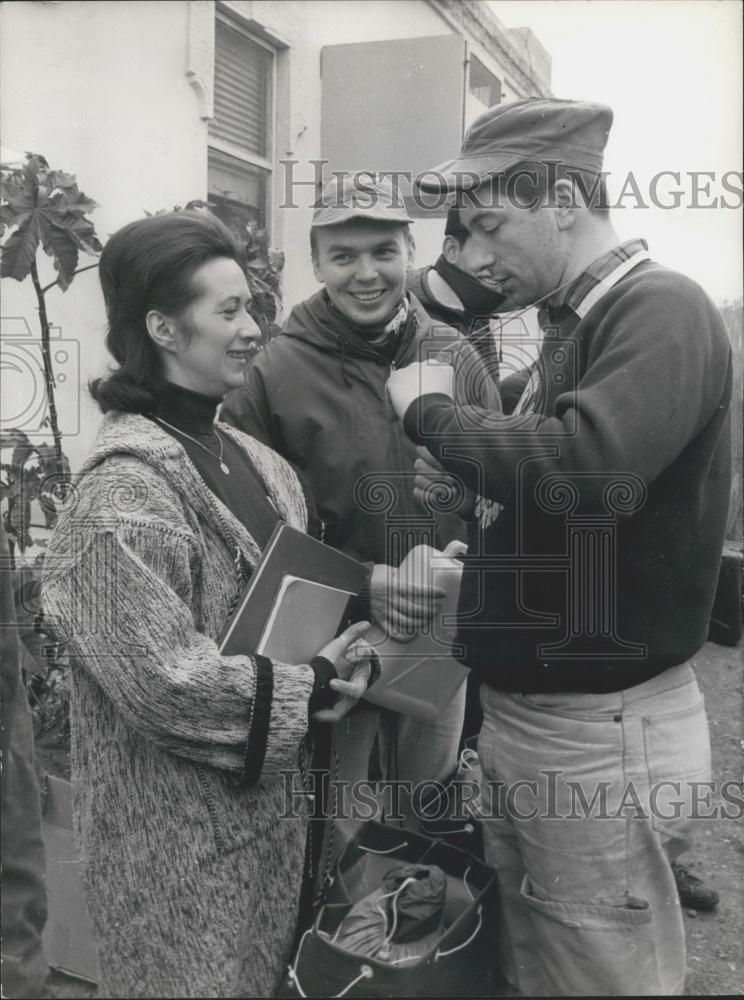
(193, 846)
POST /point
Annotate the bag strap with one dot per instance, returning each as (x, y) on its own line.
(450, 951)
(326, 864)
(365, 972)
(389, 850)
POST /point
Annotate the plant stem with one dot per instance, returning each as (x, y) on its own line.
(46, 355)
(53, 284)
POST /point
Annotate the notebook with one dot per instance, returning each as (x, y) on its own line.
(295, 600)
(305, 616)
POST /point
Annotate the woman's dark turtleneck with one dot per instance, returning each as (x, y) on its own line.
(242, 491)
(190, 411)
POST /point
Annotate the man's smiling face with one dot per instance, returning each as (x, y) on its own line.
(363, 265)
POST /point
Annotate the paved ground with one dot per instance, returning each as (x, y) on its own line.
(715, 941)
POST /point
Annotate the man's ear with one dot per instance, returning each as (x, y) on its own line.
(162, 331)
(564, 199)
(451, 250)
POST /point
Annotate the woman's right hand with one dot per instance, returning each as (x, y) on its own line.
(352, 658)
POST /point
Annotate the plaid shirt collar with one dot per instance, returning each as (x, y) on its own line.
(586, 290)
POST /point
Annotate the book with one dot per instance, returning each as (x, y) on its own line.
(295, 599)
(305, 616)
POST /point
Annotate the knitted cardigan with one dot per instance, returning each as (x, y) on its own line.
(192, 882)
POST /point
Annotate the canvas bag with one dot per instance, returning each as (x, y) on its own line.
(453, 811)
(458, 963)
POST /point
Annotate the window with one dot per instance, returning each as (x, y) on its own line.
(483, 85)
(240, 134)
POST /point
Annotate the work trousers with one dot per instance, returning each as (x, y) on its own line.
(588, 799)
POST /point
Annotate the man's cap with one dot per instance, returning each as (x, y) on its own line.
(359, 196)
(571, 133)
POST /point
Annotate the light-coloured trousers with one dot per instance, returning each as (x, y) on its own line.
(589, 798)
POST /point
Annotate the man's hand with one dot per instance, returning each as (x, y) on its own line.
(399, 607)
(437, 490)
(418, 379)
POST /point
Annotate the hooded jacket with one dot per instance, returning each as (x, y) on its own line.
(476, 329)
(417, 284)
(316, 395)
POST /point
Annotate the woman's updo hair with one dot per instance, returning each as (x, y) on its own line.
(150, 264)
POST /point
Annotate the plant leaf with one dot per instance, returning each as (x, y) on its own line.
(58, 243)
(46, 206)
(19, 250)
(21, 455)
(13, 437)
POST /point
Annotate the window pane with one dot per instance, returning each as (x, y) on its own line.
(242, 91)
(483, 85)
(241, 186)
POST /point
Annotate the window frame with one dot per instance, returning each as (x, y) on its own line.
(227, 148)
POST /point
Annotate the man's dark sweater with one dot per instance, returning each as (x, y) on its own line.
(600, 571)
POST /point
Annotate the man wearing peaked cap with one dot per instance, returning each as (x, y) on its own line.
(359, 196)
(573, 133)
(601, 512)
(316, 394)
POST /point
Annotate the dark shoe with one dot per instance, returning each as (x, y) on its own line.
(693, 892)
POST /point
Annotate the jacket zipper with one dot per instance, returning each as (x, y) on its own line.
(210, 800)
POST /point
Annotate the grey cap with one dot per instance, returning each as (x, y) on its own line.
(359, 196)
(573, 133)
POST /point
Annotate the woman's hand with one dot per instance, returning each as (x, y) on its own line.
(352, 657)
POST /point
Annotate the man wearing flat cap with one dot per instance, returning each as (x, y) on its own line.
(316, 395)
(585, 599)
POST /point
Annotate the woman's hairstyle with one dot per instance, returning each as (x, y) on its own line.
(150, 264)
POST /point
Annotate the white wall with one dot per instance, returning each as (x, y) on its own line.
(307, 27)
(331, 23)
(100, 89)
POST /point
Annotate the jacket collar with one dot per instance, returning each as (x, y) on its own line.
(131, 434)
(316, 322)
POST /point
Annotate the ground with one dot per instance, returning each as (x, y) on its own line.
(715, 941)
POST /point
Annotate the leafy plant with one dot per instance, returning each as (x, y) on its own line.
(41, 208)
(44, 208)
(26, 479)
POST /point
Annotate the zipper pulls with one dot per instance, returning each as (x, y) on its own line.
(240, 562)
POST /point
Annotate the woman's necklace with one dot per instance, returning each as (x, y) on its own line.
(223, 466)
